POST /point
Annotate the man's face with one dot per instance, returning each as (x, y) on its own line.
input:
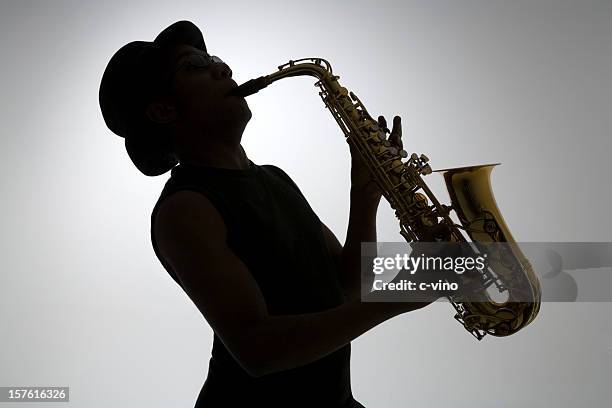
(200, 92)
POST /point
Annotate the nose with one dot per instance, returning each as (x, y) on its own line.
(221, 70)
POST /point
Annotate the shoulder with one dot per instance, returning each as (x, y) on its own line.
(185, 203)
(186, 213)
(279, 173)
(182, 195)
(276, 171)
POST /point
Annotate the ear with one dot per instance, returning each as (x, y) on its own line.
(162, 112)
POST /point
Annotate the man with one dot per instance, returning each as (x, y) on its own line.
(279, 291)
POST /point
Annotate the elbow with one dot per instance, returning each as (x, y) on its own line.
(260, 352)
(256, 358)
(256, 371)
(254, 364)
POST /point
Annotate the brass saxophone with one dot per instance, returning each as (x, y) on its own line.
(403, 187)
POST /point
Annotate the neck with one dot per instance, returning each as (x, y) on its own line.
(223, 151)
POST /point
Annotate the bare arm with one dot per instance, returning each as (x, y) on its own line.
(191, 235)
(361, 228)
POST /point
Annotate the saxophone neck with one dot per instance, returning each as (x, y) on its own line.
(317, 67)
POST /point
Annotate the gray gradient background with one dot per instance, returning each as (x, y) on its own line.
(85, 303)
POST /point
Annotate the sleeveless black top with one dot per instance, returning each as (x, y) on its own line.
(274, 231)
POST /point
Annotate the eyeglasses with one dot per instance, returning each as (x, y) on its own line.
(196, 62)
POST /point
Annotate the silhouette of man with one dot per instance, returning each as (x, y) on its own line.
(281, 294)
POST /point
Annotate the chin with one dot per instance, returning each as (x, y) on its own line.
(231, 114)
(244, 112)
(239, 117)
(248, 113)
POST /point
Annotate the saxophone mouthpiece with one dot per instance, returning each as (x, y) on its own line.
(250, 87)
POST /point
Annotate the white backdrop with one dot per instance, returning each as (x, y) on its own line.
(83, 300)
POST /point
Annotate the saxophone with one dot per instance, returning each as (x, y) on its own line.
(402, 185)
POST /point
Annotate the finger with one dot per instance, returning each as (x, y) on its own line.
(382, 124)
(396, 134)
(382, 121)
(397, 126)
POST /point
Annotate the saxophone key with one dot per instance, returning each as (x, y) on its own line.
(342, 91)
(425, 170)
(397, 166)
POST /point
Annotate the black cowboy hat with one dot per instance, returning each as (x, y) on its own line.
(132, 78)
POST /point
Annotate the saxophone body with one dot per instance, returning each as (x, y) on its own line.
(421, 215)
